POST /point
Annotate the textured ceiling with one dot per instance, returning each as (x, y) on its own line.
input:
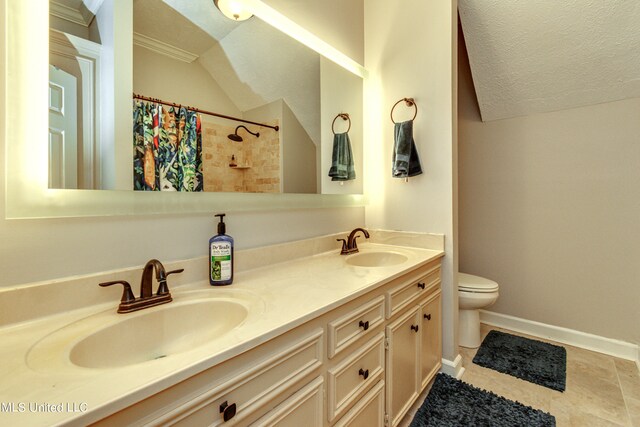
(536, 56)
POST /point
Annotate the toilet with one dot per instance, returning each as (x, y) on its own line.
(474, 293)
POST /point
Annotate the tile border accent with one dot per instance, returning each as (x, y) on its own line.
(612, 347)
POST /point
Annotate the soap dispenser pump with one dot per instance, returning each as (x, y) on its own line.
(221, 256)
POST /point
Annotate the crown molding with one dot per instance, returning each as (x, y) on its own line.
(163, 48)
(81, 15)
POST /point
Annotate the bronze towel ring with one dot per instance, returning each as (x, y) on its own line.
(410, 103)
(344, 116)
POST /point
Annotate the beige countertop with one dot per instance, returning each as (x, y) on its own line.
(40, 386)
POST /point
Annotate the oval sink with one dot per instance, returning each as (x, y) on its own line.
(109, 340)
(157, 334)
(376, 259)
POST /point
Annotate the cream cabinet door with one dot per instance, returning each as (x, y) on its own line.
(403, 360)
(369, 411)
(431, 336)
(304, 408)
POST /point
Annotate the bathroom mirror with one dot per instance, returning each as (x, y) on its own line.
(26, 105)
(187, 52)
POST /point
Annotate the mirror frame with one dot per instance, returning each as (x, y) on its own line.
(25, 80)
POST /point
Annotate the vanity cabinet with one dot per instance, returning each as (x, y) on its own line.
(363, 363)
(282, 375)
(414, 341)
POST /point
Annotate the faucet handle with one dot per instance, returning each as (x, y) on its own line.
(163, 289)
(127, 294)
(180, 270)
(344, 246)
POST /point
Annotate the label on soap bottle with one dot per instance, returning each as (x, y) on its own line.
(220, 261)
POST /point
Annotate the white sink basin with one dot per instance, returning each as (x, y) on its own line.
(376, 259)
(156, 334)
(109, 340)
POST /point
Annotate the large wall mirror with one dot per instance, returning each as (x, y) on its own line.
(182, 52)
(191, 65)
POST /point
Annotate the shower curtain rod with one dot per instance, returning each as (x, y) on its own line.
(210, 113)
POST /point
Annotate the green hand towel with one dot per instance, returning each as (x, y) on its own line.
(342, 168)
(406, 161)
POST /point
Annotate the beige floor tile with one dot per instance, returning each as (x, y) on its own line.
(633, 406)
(568, 416)
(629, 377)
(606, 403)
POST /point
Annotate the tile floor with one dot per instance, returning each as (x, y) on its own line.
(601, 390)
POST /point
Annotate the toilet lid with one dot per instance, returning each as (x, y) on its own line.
(471, 283)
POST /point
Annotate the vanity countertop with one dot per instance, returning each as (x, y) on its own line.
(52, 391)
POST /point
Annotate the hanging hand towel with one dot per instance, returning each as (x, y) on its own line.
(406, 162)
(342, 168)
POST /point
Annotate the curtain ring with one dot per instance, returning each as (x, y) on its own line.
(343, 116)
(410, 103)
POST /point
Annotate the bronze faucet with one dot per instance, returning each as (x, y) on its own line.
(129, 303)
(350, 246)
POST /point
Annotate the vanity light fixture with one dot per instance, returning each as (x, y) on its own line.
(233, 9)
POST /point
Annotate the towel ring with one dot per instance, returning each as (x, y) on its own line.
(344, 116)
(410, 103)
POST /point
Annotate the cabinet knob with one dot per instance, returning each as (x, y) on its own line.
(364, 325)
(427, 316)
(414, 328)
(364, 373)
(227, 411)
(421, 285)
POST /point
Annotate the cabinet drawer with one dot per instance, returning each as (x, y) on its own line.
(401, 296)
(352, 377)
(345, 330)
(268, 380)
(369, 411)
(304, 408)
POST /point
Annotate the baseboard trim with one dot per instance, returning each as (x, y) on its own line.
(617, 348)
(453, 368)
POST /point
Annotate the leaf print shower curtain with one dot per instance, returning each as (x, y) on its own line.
(167, 148)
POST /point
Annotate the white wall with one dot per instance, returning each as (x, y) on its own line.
(115, 93)
(341, 92)
(409, 51)
(550, 209)
(158, 76)
(298, 155)
(35, 250)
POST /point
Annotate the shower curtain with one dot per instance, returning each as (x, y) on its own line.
(167, 148)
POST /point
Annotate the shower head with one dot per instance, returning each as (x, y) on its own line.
(235, 137)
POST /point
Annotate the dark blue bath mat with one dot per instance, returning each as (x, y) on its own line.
(530, 360)
(454, 403)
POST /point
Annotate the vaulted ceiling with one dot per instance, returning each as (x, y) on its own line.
(537, 56)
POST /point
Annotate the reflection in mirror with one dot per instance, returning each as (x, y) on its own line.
(187, 54)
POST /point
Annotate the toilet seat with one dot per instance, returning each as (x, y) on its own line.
(476, 284)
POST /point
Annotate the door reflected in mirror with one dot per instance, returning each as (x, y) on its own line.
(192, 61)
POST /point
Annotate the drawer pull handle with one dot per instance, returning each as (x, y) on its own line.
(421, 285)
(227, 411)
(427, 316)
(414, 328)
(364, 373)
(364, 325)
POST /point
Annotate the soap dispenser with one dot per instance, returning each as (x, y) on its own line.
(221, 256)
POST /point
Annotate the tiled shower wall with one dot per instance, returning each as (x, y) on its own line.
(258, 160)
